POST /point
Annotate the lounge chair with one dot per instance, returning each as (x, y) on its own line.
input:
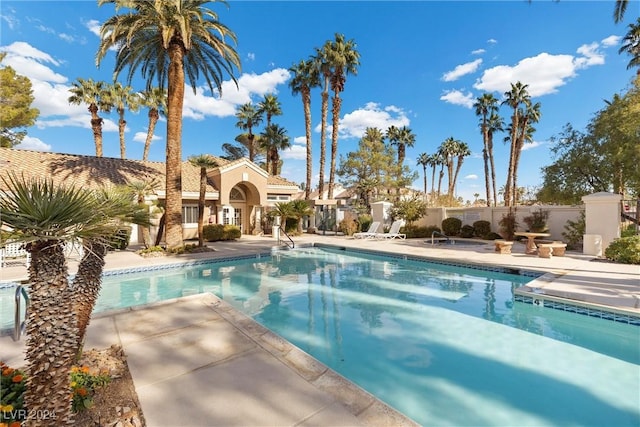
(393, 233)
(370, 233)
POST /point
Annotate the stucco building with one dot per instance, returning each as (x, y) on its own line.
(238, 192)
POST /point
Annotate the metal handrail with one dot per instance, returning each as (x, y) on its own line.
(293, 245)
(440, 234)
(19, 326)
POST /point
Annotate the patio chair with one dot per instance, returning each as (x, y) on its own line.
(393, 233)
(370, 233)
(14, 253)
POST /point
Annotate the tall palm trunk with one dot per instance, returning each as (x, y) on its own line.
(306, 101)
(424, 177)
(96, 127)
(323, 142)
(433, 181)
(440, 181)
(455, 175)
(87, 283)
(175, 100)
(485, 158)
(337, 103)
(51, 336)
(508, 193)
(203, 190)
(153, 119)
(493, 168)
(122, 125)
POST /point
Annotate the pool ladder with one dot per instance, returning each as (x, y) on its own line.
(439, 234)
(20, 325)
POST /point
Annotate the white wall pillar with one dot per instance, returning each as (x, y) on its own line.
(380, 212)
(602, 221)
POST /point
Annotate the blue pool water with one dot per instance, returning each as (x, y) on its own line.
(443, 344)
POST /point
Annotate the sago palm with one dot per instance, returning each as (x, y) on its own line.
(45, 217)
(168, 40)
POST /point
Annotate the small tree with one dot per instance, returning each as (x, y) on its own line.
(508, 225)
(409, 210)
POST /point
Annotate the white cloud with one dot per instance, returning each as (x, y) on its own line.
(30, 143)
(354, 124)
(457, 97)
(478, 52)
(142, 137)
(202, 104)
(462, 70)
(296, 151)
(8, 16)
(611, 41)
(471, 176)
(492, 41)
(251, 56)
(544, 73)
(300, 140)
(531, 145)
(93, 26)
(591, 55)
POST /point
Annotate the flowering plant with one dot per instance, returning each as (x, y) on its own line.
(12, 387)
(84, 381)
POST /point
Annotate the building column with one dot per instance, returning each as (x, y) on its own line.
(602, 222)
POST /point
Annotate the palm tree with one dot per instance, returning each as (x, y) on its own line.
(168, 40)
(92, 94)
(495, 123)
(122, 97)
(300, 209)
(401, 138)
(514, 98)
(274, 139)
(45, 217)
(433, 163)
(270, 106)
(249, 117)
(619, 10)
(155, 99)
(462, 151)
(250, 146)
(344, 59)
(530, 115)
(323, 67)
(631, 45)
(305, 77)
(486, 105)
(141, 189)
(204, 162)
(423, 160)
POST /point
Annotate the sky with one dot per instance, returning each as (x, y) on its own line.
(422, 65)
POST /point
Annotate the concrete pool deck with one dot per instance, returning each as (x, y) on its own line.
(243, 374)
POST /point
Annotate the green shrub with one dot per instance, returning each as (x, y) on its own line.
(120, 240)
(481, 228)
(451, 226)
(218, 232)
(508, 225)
(364, 221)
(628, 231)
(467, 231)
(492, 236)
(574, 232)
(348, 225)
(419, 232)
(625, 250)
(231, 232)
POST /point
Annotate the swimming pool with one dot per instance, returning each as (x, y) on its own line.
(445, 345)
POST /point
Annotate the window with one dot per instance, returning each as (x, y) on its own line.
(189, 214)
